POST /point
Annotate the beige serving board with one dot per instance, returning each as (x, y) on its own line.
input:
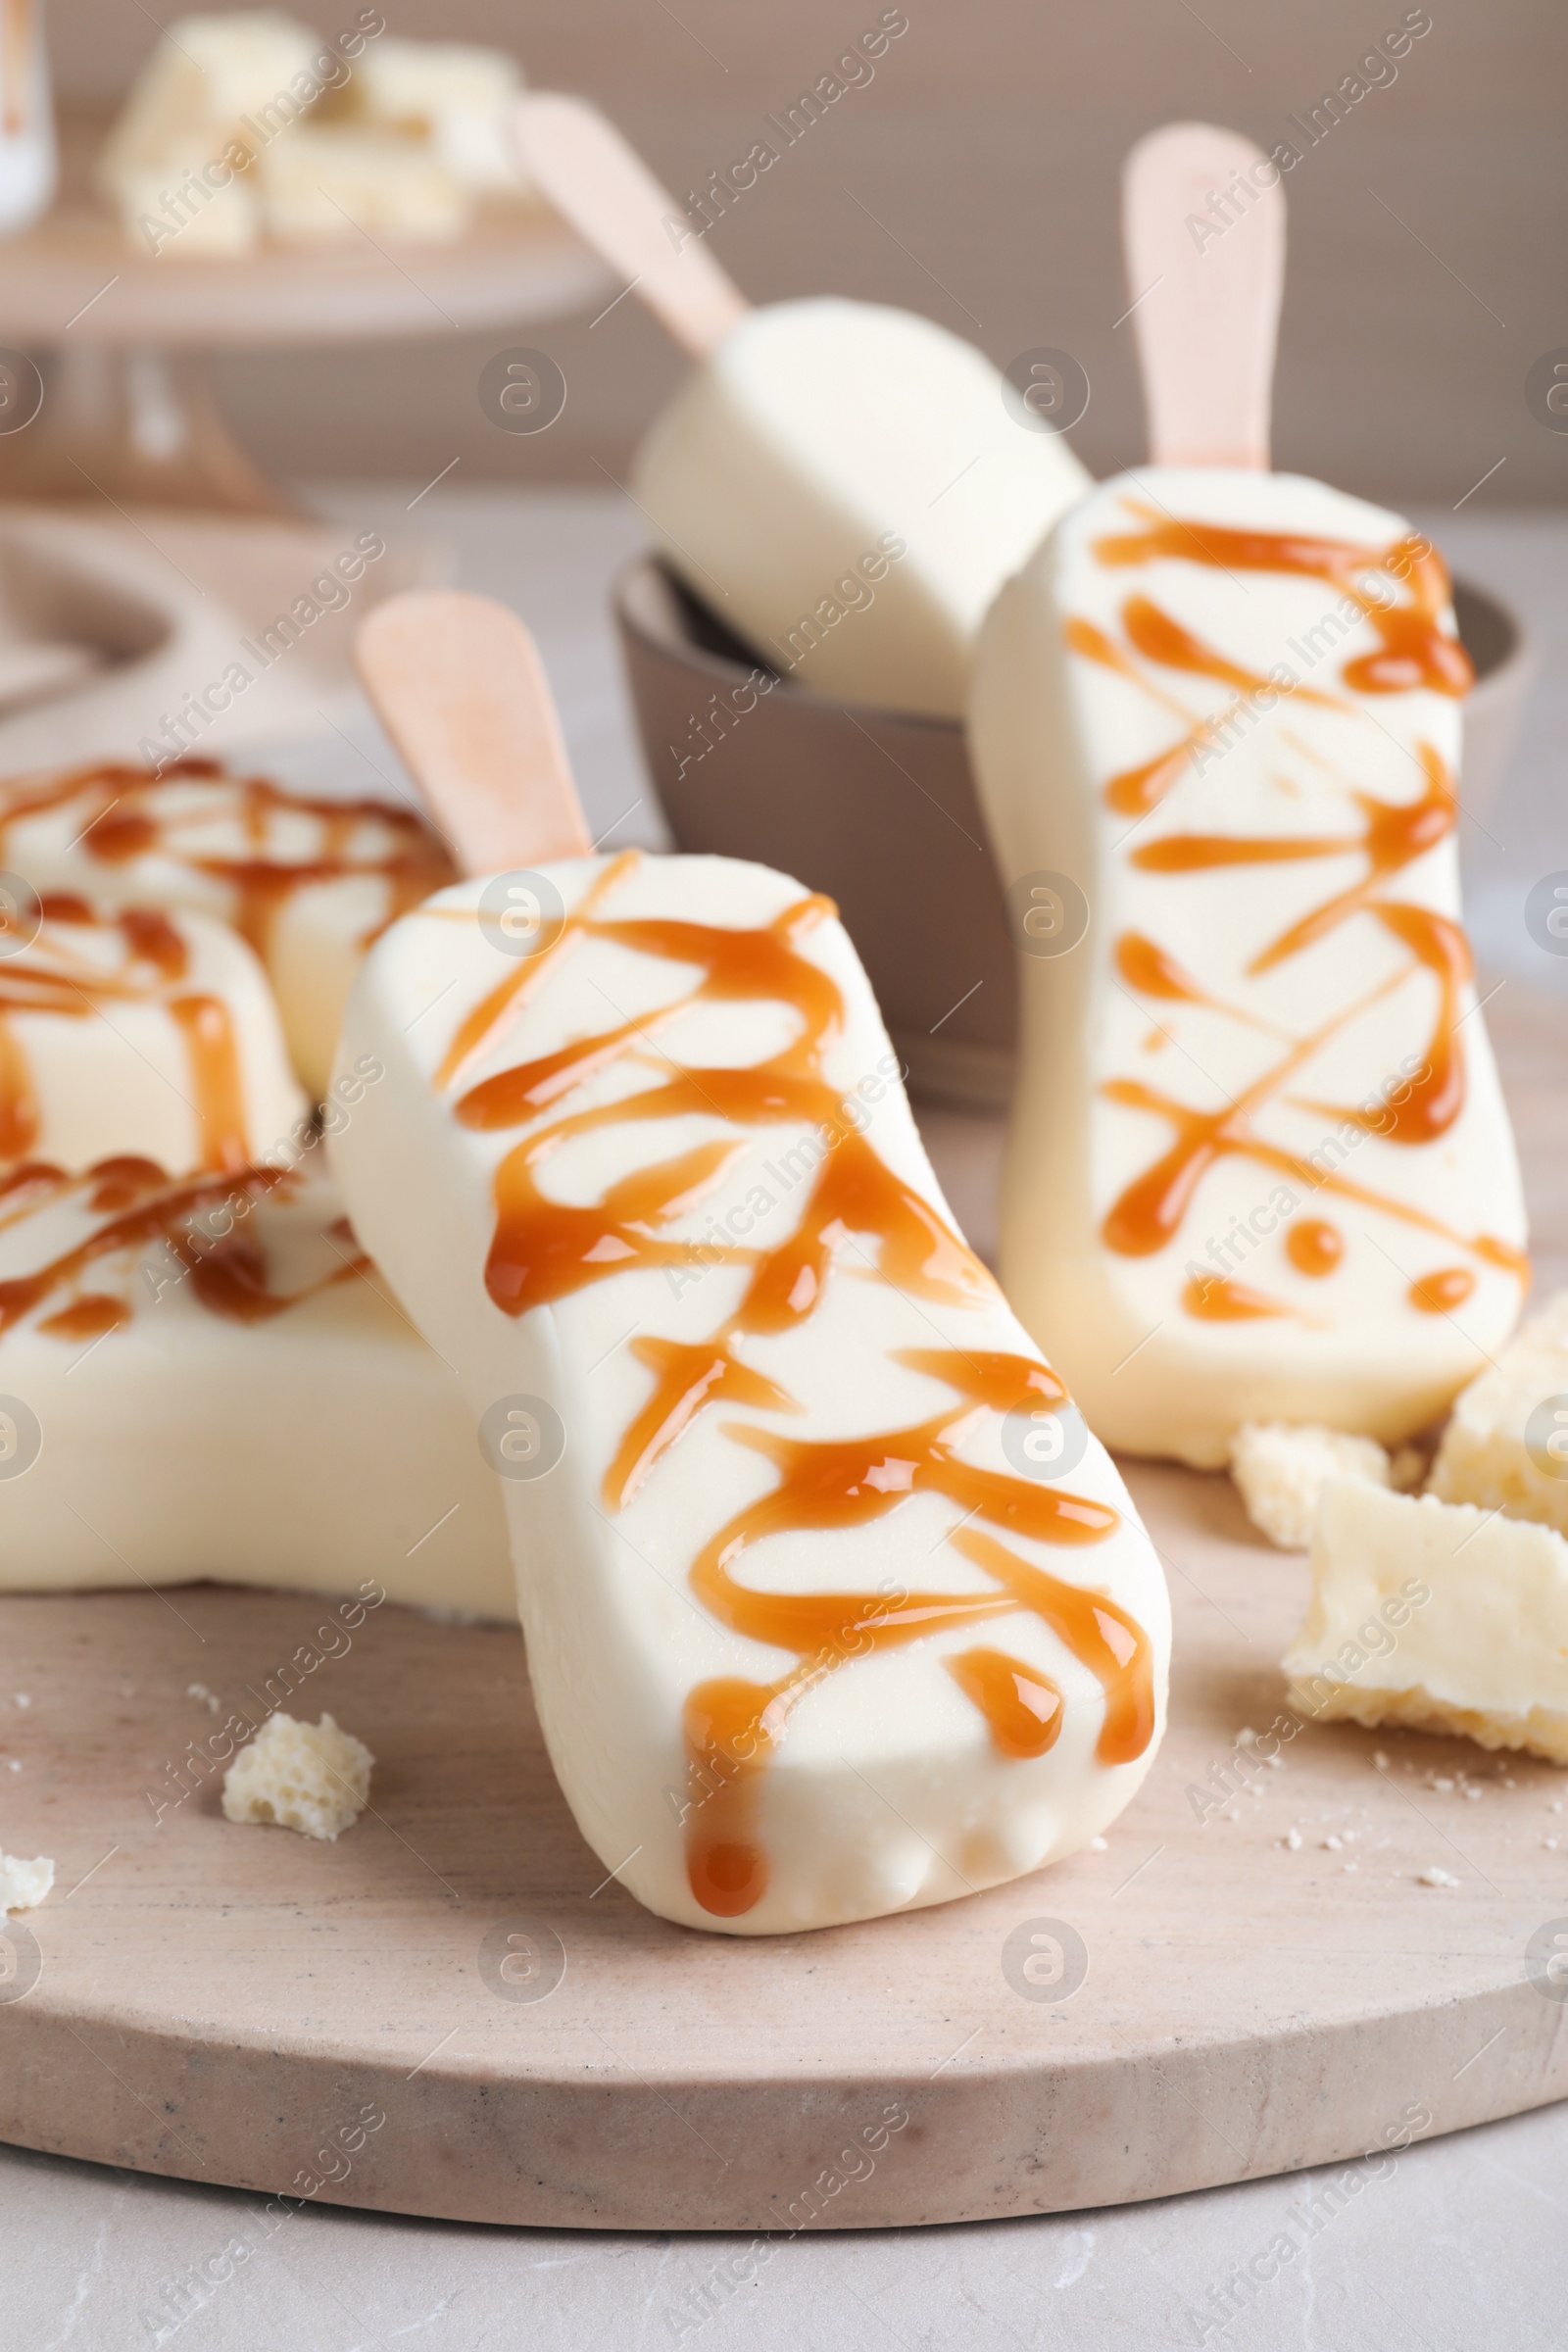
(452, 2012)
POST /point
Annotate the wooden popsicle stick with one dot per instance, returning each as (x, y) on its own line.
(599, 183)
(458, 684)
(1204, 233)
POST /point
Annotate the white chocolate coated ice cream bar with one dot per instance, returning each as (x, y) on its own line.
(204, 1376)
(307, 882)
(1261, 1167)
(808, 1640)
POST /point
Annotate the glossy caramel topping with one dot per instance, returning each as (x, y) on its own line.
(1436, 1293)
(1416, 1111)
(129, 812)
(1414, 649)
(1315, 1247)
(857, 1212)
(1217, 1298)
(138, 1203)
(55, 975)
(1023, 1706)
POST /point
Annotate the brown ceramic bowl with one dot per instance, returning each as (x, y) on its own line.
(877, 808)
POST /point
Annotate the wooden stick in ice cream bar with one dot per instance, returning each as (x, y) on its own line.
(1204, 233)
(599, 183)
(458, 684)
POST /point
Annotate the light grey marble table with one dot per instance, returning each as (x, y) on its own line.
(1460, 2244)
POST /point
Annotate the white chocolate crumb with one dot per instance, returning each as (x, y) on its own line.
(1333, 1844)
(1292, 1839)
(1435, 1876)
(1380, 1759)
(313, 1778)
(24, 1885)
(1099, 1845)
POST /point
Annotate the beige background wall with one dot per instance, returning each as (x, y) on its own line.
(987, 148)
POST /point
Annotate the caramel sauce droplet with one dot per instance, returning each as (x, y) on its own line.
(1435, 1293)
(1219, 1299)
(89, 1317)
(1023, 1706)
(1315, 1247)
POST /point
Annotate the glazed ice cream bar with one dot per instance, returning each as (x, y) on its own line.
(140, 1031)
(307, 882)
(205, 1377)
(833, 1606)
(1261, 1167)
(846, 487)
(843, 486)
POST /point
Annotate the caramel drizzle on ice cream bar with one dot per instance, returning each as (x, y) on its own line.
(1414, 649)
(544, 1249)
(51, 976)
(140, 1204)
(127, 813)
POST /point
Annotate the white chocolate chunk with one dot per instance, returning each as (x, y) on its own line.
(1506, 1445)
(1436, 1618)
(24, 1885)
(813, 1633)
(309, 882)
(844, 487)
(206, 75)
(453, 95)
(204, 1378)
(1280, 1472)
(1261, 1167)
(149, 1034)
(310, 1777)
(385, 185)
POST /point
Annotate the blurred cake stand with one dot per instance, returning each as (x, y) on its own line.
(122, 337)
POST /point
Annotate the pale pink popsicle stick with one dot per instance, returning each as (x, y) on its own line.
(600, 183)
(458, 684)
(1205, 279)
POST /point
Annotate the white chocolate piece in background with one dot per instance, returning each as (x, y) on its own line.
(309, 882)
(149, 1034)
(318, 181)
(310, 1777)
(881, 1785)
(1436, 1618)
(395, 138)
(451, 95)
(164, 1438)
(1185, 1161)
(24, 1885)
(821, 436)
(1280, 1471)
(1506, 1446)
(188, 103)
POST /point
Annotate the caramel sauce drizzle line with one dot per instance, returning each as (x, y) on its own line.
(141, 1203)
(51, 977)
(130, 823)
(1414, 651)
(1149, 1211)
(543, 1250)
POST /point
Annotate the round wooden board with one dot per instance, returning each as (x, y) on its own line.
(217, 2001)
(235, 2004)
